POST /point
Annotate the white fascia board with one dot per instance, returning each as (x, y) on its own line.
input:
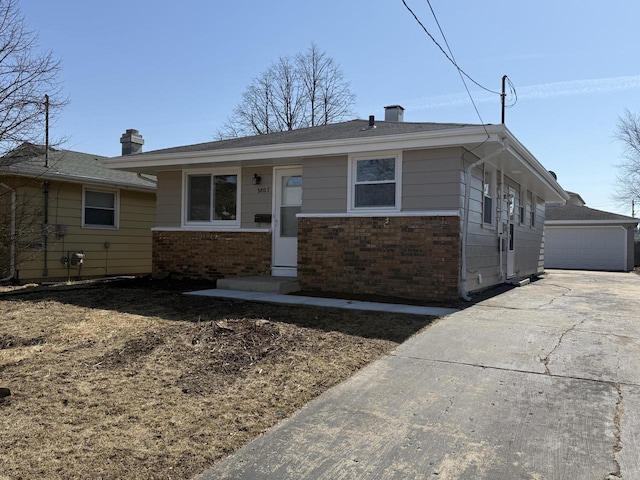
(212, 229)
(416, 213)
(438, 138)
(63, 177)
(589, 223)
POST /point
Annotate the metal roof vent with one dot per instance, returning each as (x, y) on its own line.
(393, 113)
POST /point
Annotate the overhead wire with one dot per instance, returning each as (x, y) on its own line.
(460, 71)
(512, 93)
(453, 62)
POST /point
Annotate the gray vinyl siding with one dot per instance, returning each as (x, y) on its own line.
(169, 199)
(255, 198)
(483, 252)
(432, 179)
(529, 245)
(325, 185)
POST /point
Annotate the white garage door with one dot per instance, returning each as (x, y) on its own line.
(585, 248)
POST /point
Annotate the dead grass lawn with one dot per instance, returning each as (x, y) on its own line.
(135, 380)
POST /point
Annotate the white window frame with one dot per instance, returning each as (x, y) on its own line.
(116, 207)
(489, 170)
(522, 210)
(352, 177)
(185, 198)
(531, 209)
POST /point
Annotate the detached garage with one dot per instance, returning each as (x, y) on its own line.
(581, 238)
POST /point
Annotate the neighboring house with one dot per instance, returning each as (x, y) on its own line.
(581, 238)
(74, 218)
(422, 211)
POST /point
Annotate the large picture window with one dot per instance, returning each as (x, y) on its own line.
(100, 208)
(212, 198)
(375, 183)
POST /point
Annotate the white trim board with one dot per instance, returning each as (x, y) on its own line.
(426, 213)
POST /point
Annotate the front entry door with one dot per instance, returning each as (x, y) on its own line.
(287, 203)
(511, 253)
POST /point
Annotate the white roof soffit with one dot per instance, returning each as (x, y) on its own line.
(538, 178)
(475, 135)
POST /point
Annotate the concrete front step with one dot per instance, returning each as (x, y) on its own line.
(261, 283)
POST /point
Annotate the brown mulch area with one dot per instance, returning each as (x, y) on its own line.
(134, 380)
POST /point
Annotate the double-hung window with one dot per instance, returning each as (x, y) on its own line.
(488, 193)
(212, 198)
(531, 207)
(375, 183)
(100, 208)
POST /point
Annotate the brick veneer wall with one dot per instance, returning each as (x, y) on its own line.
(406, 257)
(211, 255)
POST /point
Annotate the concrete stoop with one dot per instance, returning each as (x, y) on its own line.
(262, 283)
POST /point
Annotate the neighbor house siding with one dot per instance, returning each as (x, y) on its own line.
(169, 200)
(432, 180)
(324, 185)
(122, 251)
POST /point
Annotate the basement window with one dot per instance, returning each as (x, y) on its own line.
(100, 208)
(212, 198)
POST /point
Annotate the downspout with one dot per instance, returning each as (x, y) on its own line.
(465, 220)
(12, 245)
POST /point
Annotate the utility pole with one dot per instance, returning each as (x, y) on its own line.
(503, 95)
(633, 207)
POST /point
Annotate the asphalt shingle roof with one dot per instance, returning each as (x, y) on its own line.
(334, 131)
(29, 160)
(575, 212)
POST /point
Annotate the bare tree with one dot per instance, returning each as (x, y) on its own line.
(306, 90)
(627, 187)
(27, 74)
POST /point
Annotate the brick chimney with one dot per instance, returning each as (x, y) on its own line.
(132, 142)
(393, 113)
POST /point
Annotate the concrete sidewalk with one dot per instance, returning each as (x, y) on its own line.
(280, 299)
(541, 382)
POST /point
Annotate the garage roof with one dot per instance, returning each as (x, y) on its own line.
(573, 213)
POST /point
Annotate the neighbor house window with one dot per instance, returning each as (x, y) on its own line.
(212, 198)
(375, 182)
(488, 187)
(531, 209)
(100, 208)
(523, 218)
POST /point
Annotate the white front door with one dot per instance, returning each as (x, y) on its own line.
(287, 203)
(511, 252)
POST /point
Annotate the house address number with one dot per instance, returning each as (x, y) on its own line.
(264, 189)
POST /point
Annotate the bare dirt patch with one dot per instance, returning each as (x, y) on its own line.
(135, 380)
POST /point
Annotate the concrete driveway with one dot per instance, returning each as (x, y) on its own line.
(541, 382)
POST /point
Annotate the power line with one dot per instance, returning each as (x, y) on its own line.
(453, 62)
(453, 59)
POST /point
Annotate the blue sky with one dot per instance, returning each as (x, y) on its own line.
(175, 70)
